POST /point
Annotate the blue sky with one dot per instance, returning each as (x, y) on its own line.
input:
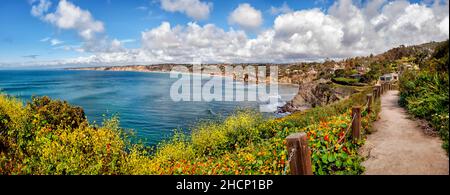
(27, 38)
(123, 19)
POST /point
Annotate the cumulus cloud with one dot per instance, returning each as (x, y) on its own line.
(39, 7)
(193, 41)
(68, 16)
(345, 29)
(280, 10)
(400, 22)
(195, 9)
(307, 34)
(351, 19)
(246, 17)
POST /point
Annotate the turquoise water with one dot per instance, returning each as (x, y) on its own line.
(141, 100)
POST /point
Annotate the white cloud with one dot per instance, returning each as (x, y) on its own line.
(38, 9)
(52, 41)
(352, 20)
(193, 41)
(372, 8)
(128, 41)
(45, 39)
(400, 22)
(77, 48)
(280, 10)
(195, 9)
(307, 34)
(443, 26)
(69, 16)
(345, 29)
(246, 17)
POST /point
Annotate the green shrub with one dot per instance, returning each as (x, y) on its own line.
(425, 93)
(13, 124)
(4, 142)
(345, 81)
(441, 122)
(55, 114)
(237, 130)
(244, 143)
(372, 75)
(52, 137)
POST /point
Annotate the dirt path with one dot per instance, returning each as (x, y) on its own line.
(399, 146)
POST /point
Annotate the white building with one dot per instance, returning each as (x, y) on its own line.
(389, 77)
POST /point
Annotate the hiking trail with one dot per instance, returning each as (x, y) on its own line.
(399, 146)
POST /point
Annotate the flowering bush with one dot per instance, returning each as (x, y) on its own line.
(332, 152)
(52, 137)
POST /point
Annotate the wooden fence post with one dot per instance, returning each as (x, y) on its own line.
(374, 93)
(369, 103)
(381, 89)
(378, 86)
(300, 163)
(356, 125)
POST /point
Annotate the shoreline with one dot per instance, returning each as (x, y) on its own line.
(279, 113)
(168, 72)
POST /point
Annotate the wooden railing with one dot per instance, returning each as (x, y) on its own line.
(299, 152)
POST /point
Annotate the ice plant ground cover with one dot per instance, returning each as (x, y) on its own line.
(329, 156)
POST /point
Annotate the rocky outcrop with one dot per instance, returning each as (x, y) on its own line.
(316, 93)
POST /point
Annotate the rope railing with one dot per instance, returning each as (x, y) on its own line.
(301, 164)
(348, 129)
(291, 154)
(365, 107)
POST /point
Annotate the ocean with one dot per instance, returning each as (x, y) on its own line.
(141, 100)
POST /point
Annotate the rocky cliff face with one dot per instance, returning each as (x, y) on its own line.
(316, 93)
(136, 68)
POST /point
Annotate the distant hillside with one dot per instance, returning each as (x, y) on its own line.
(319, 83)
(302, 72)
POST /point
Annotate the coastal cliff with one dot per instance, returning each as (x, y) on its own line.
(320, 83)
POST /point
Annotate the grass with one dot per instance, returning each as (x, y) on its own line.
(345, 81)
